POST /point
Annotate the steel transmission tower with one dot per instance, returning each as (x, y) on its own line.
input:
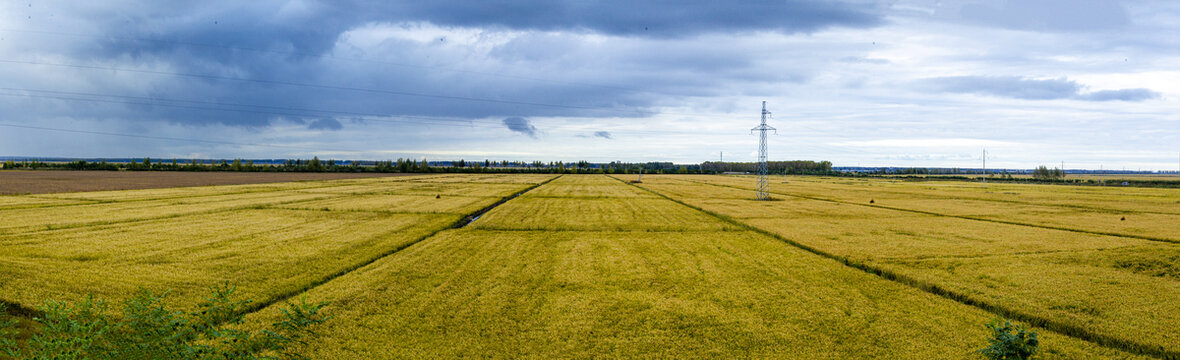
(763, 187)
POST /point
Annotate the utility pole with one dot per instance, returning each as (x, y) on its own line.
(763, 169)
(985, 167)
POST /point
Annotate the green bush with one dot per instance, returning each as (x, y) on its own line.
(7, 332)
(146, 329)
(1010, 342)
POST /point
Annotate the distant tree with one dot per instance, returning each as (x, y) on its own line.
(315, 164)
(1044, 173)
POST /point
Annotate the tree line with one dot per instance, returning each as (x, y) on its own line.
(773, 167)
(386, 166)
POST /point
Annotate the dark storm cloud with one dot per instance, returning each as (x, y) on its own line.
(521, 125)
(603, 134)
(665, 19)
(1029, 89)
(325, 124)
(262, 42)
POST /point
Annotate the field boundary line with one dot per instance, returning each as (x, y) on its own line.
(964, 217)
(101, 201)
(461, 222)
(1008, 201)
(1018, 253)
(4, 234)
(1064, 329)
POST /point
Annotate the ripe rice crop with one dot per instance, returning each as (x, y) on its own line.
(182, 193)
(488, 178)
(590, 266)
(1026, 269)
(265, 252)
(271, 240)
(1129, 291)
(559, 294)
(589, 191)
(609, 214)
(8, 202)
(450, 204)
(37, 219)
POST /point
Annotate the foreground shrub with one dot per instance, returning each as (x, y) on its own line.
(1010, 342)
(146, 329)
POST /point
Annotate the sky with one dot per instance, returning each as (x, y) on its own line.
(1082, 83)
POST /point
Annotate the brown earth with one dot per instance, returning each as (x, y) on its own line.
(56, 181)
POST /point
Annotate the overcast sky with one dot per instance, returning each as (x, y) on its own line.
(872, 83)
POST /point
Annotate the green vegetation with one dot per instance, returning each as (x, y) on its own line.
(1044, 173)
(1010, 342)
(774, 167)
(147, 329)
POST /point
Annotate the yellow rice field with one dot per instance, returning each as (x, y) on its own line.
(1125, 287)
(591, 266)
